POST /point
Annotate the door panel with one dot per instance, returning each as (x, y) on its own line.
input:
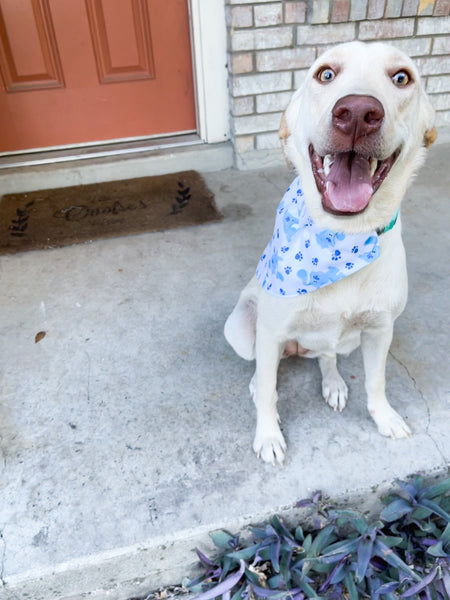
(121, 38)
(36, 64)
(77, 71)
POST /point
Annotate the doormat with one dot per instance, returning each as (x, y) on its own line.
(54, 218)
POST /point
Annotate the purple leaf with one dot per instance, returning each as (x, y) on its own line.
(333, 573)
(438, 550)
(432, 506)
(309, 501)
(427, 542)
(390, 557)
(245, 553)
(436, 490)
(378, 563)
(275, 555)
(446, 581)
(409, 488)
(204, 559)
(396, 509)
(365, 550)
(386, 588)
(225, 586)
(280, 526)
(266, 593)
(223, 539)
(421, 585)
(317, 496)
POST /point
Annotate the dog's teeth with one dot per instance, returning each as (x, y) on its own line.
(327, 162)
(373, 166)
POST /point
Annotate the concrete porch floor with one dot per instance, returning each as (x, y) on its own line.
(126, 432)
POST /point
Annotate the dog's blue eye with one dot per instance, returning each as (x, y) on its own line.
(401, 78)
(325, 75)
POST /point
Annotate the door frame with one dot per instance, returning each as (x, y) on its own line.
(209, 58)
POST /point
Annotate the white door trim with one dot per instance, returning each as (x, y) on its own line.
(210, 69)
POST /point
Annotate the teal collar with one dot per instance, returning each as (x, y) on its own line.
(390, 225)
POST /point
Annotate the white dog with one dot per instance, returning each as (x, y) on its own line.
(333, 276)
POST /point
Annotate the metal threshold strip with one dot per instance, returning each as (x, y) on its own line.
(101, 150)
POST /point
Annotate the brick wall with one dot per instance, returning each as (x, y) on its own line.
(271, 45)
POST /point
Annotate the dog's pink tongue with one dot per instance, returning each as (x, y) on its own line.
(349, 183)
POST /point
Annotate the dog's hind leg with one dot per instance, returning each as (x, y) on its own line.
(269, 442)
(334, 389)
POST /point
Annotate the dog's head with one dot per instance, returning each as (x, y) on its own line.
(356, 131)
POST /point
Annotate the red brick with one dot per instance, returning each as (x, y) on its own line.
(295, 12)
(243, 106)
(241, 16)
(320, 34)
(389, 28)
(268, 14)
(376, 9)
(442, 8)
(410, 8)
(319, 11)
(244, 143)
(260, 39)
(287, 58)
(241, 63)
(340, 11)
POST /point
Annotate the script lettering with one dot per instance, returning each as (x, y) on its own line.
(80, 212)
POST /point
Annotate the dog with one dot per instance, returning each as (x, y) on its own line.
(333, 277)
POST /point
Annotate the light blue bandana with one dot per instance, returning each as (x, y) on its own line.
(301, 257)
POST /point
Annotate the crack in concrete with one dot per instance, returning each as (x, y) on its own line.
(88, 378)
(425, 402)
(3, 583)
(2, 558)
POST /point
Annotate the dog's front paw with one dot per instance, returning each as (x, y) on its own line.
(270, 445)
(335, 392)
(390, 423)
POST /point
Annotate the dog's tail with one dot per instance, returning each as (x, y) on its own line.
(240, 327)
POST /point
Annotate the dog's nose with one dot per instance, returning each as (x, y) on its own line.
(357, 116)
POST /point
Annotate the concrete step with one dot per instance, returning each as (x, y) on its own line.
(126, 432)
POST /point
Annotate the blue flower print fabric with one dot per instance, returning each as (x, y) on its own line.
(302, 257)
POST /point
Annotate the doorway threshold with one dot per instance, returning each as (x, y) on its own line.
(111, 162)
(44, 156)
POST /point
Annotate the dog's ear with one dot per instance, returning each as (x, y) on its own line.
(430, 137)
(283, 132)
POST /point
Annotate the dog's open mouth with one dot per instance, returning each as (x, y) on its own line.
(348, 180)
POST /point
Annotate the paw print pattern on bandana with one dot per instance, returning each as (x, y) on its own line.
(301, 257)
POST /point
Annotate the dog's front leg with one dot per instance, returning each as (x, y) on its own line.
(375, 345)
(269, 442)
(334, 389)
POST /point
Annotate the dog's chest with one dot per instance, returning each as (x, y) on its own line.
(332, 319)
(332, 331)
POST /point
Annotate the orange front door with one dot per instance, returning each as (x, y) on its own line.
(79, 71)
